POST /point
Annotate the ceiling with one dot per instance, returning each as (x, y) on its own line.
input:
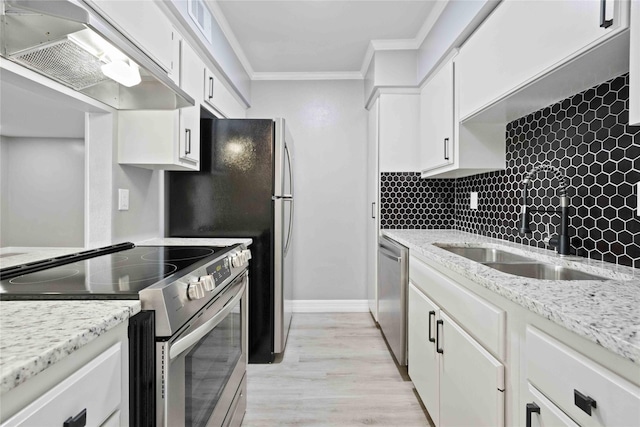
(316, 36)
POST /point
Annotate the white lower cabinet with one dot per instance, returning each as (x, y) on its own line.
(459, 382)
(424, 368)
(92, 392)
(588, 393)
(541, 412)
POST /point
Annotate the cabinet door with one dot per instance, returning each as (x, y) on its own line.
(399, 132)
(544, 413)
(191, 82)
(471, 380)
(373, 223)
(95, 388)
(437, 120)
(422, 356)
(522, 40)
(144, 23)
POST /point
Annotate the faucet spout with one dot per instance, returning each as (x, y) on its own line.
(562, 241)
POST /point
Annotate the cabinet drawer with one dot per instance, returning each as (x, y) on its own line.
(96, 387)
(481, 319)
(548, 415)
(560, 372)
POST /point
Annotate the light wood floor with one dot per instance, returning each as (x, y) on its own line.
(336, 371)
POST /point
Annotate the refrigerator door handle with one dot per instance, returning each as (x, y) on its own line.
(290, 231)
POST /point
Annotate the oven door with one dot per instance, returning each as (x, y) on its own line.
(201, 370)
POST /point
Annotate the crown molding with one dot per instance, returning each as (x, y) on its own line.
(404, 44)
(432, 18)
(322, 75)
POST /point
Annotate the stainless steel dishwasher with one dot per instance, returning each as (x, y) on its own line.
(393, 280)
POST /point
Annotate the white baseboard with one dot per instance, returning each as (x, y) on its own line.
(330, 306)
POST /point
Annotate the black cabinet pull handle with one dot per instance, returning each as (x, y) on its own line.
(373, 209)
(431, 313)
(79, 420)
(438, 323)
(210, 87)
(583, 402)
(604, 23)
(531, 408)
(187, 137)
(446, 148)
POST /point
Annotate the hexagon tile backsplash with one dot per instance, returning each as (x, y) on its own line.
(586, 136)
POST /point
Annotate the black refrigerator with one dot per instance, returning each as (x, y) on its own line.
(244, 189)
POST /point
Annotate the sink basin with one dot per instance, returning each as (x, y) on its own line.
(542, 271)
(486, 254)
(519, 265)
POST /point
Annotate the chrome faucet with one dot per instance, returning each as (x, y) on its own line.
(561, 242)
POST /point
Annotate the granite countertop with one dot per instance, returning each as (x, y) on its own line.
(606, 312)
(30, 343)
(17, 256)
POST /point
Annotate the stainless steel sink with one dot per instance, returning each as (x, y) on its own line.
(542, 271)
(479, 254)
(519, 265)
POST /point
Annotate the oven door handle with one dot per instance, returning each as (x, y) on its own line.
(185, 343)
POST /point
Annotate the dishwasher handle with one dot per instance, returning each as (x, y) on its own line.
(388, 254)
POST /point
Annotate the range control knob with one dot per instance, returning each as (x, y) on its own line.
(195, 290)
(234, 260)
(208, 282)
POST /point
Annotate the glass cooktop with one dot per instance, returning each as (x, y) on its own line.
(117, 275)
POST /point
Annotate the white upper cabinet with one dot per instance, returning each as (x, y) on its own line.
(146, 25)
(191, 70)
(220, 100)
(437, 120)
(634, 65)
(168, 140)
(447, 148)
(398, 132)
(522, 40)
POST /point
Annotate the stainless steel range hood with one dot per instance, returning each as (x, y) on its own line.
(70, 43)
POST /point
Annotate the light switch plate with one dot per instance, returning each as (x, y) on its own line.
(473, 204)
(123, 199)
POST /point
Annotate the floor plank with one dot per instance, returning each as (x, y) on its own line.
(336, 371)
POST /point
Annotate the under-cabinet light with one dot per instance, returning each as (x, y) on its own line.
(127, 74)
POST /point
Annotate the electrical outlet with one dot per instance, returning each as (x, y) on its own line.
(473, 200)
(123, 199)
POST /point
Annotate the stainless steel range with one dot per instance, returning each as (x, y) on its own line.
(193, 326)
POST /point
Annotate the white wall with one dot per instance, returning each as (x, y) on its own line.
(328, 123)
(105, 177)
(42, 188)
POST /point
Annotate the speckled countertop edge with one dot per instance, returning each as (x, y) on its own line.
(34, 335)
(605, 312)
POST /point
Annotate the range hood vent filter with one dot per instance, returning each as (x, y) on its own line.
(65, 62)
